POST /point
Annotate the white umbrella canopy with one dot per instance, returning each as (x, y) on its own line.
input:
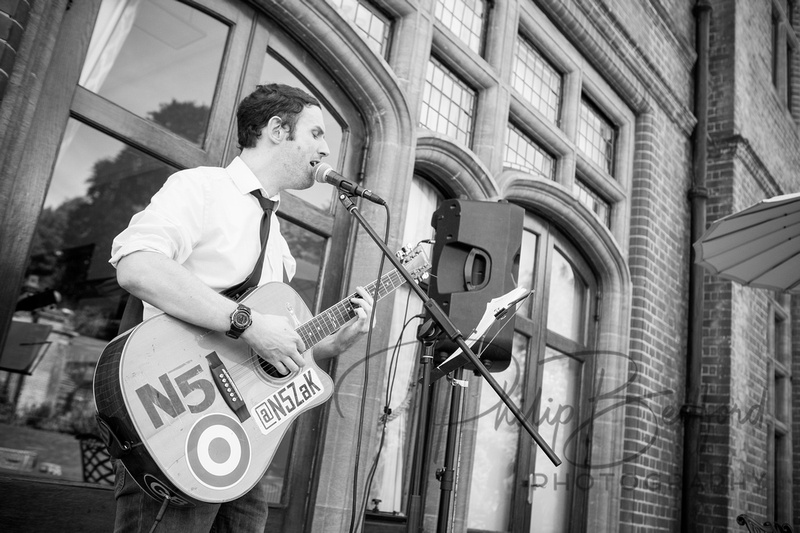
(757, 247)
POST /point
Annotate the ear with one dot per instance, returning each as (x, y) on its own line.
(274, 130)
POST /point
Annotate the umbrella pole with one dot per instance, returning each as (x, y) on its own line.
(692, 409)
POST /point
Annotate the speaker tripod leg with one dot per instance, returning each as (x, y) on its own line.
(447, 474)
(414, 513)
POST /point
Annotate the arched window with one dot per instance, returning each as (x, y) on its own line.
(514, 486)
(389, 488)
(157, 93)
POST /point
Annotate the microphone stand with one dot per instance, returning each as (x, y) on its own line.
(446, 326)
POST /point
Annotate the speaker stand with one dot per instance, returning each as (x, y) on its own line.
(448, 328)
(427, 334)
(447, 474)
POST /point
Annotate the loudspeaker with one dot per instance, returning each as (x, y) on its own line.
(475, 258)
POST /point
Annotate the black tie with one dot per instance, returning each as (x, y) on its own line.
(250, 281)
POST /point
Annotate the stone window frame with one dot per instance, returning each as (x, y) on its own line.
(784, 46)
(779, 415)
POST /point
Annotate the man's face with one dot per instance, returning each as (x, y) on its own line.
(305, 149)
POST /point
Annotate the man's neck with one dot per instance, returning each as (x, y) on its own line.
(260, 165)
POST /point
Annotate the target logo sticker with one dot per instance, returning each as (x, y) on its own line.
(218, 451)
(159, 490)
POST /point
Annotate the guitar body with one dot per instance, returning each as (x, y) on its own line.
(191, 413)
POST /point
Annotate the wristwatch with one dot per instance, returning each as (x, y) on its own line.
(240, 321)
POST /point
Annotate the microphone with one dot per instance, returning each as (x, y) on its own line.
(324, 173)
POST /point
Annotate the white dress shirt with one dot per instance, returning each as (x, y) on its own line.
(206, 219)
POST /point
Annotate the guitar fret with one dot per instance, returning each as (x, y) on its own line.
(327, 322)
(313, 332)
(330, 321)
(322, 330)
(335, 315)
(308, 336)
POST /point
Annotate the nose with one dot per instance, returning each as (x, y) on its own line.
(324, 149)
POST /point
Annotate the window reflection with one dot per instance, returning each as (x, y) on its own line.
(308, 250)
(567, 301)
(153, 56)
(527, 268)
(389, 483)
(98, 184)
(558, 422)
(496, 442)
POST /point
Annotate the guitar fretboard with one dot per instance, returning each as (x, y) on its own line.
(336, 316)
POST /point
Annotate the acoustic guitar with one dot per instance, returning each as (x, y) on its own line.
(196, 416)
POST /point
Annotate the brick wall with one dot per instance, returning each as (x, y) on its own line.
(759, 115)
(795, 408)
(659, 251)
(659, 265)
(13, 19)
(753, 154)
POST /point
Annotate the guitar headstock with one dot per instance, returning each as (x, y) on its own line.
(415, 261)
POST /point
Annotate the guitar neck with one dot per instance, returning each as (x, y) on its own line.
(330, 320)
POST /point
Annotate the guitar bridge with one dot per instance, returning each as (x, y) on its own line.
(227, 387)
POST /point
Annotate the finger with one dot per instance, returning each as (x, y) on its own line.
(290, 365)
(360, 304)
(358, 307)
(280, 368)
(301, 346)
(299, 360)
(365, 295)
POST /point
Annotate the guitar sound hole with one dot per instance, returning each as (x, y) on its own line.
(270, 369)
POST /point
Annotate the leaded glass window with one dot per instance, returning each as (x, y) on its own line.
(465, 18)
(537, 80)
(448, 104)
(596, 136)
(522, 153)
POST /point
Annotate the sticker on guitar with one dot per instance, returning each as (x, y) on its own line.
(287, 401)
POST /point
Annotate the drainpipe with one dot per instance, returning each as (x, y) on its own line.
(692, 409)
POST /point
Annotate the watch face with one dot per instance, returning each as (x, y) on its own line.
(241, 319)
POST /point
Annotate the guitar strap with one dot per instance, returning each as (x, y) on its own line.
(132, 315)
(134, 308)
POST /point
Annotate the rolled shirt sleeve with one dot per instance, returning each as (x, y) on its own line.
(170, 225)
(206, 220)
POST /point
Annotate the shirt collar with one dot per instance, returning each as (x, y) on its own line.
(246, 181)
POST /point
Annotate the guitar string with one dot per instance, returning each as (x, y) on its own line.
(312, 331)
(316, 329)
(242, 373)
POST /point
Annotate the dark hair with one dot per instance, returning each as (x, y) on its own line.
(267, 101)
